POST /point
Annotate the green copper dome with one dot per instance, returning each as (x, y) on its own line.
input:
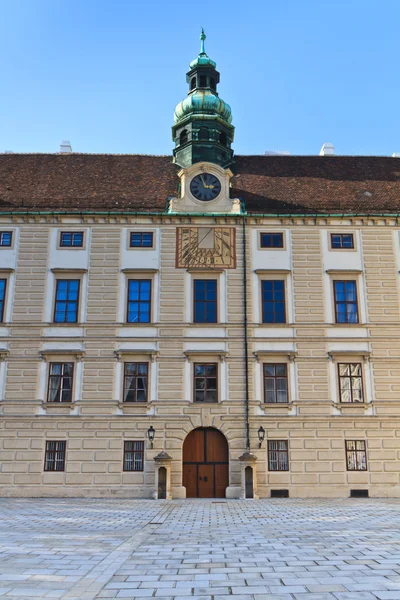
(203, 102)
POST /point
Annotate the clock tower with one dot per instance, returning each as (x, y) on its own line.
(202, 129)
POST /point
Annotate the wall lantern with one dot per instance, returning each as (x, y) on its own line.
(151, 432)
(261, 436)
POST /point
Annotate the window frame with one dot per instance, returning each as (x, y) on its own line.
(150, 301)
(205, 280)
(124, 376)
(271, 233)
(11, 233)
(57, 281)
(54, 462)
(194, 377)
(335, 281)
(355, 451)
(269, 280)
(141, 233)
(275, 377)
(279, 452)
(125, 452)
(71, 246)
(341, 234)
(340, 377)
(3, 303)
(59, 393)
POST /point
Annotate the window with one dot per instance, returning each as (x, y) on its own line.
(193, 83)
(275, 383)
(183, 138)
(350, 382)
(342, 241)
(60, 382)
(356, 455)
(5, 238)
(346, 310)
(139, 300)
(222, 138)
(133, 456)
(203, 81)
(205, 301)
(278, 455)
(135, 382)
(72, 239)
(3, 285)
(271, 240)
(67, 299)
(203, 133)
(213, 84)
(205, 382)
(55, 456)
(141, 240)
(273, 301)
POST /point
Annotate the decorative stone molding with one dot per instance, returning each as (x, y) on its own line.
(3, 354)
(344, 271)
(192, 355)
(124, 353)
(335, 354)
(262, 354)
(68, 270)
(272, 271)
(56, 353)
(139, 271)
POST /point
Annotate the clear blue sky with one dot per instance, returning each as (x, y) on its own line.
(106, 74)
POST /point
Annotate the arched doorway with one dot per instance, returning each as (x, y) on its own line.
(205, 463)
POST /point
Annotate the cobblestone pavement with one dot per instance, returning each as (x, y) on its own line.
(77, 549)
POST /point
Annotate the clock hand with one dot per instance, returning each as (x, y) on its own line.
(202, 181)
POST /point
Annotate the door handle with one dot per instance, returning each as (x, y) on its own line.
(206, 479)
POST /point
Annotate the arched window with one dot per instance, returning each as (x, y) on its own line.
(183, 138)
(203, 133)
(193, 83)
(222, 138)
(212, 83)
(203, 81)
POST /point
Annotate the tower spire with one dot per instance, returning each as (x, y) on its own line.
(202, 38)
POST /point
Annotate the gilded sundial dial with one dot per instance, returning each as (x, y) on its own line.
(210, 247)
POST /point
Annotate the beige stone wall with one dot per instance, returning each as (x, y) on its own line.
(98, 423)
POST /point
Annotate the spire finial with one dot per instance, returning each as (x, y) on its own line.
(202, 38)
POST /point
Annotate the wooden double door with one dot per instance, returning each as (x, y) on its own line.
(205, 463)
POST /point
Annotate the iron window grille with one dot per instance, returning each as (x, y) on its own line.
(278, 455)
(346, 307)
(275, 383)
(356, 455)
(3, 286)
(55, 456)
(206, 382)
(139, 239)
(60, 382)
(72, 239)
(350, 382)
(133, 456)
(139, 300)
(135, 382)
(5, 238)
(271, 240)
(67, 300)
(205, 300)
(273, 301)
(342, 241)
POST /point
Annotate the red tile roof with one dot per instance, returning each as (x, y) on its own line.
(267, 184)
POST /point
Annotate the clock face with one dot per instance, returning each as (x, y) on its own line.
(205, 187)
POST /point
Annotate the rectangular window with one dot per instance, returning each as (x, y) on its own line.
(205, 300)
(73, 239)
(133, 456)
(139, 300)
(55, 456)
(67, 299)
(5, 238)
(60, 382)
(278, 455)
(271, 240)
(356, 455)
(205, 382)
(135, 382)
(139, 239)
(3, 285)
(346, 309)
(273, 301)
(350, 382)
(342, 241)
(275, 383)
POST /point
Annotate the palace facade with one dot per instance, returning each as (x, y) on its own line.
(206, 325)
